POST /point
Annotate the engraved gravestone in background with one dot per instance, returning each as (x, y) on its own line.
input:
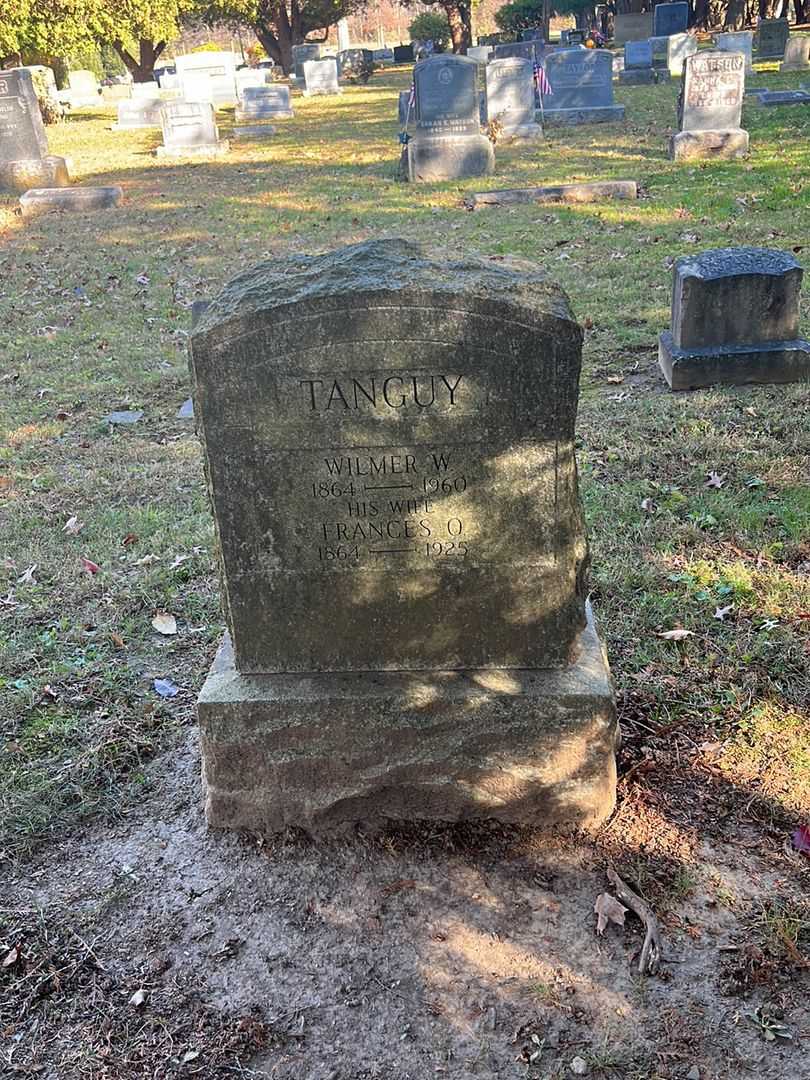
(392, 468)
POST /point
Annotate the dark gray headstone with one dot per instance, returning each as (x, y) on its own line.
(402, 545)
(582, 87)
(403, 54)
(300, 55)
(670, 18)
(735, 319)
(447, 96)
(638, 54)
(632, 27)
(523, 50)
(22, 133)
(772, 37)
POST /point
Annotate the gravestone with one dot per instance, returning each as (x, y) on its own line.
(581, 88)
(138, 113)
(532, 35)
(403, 54)
(670, 18)
(248, 78)
(710, 107)
(218, 68)
(300, 55)
(83, 200)
(265, 103)
(523, 50)
(741, 41)
(84, 90)
(116, 92)
(679, 46)
(189, 130)
(772, 37)
(510, 98)
(797, 54)
(448, 143)
(660, 50)
(355, 64)
(149, 90)
(780, 97)
(632, 28)
(480, 53)
(735, 320)
(24, 159)
(638, 69)
(321, 77)
(422, 488)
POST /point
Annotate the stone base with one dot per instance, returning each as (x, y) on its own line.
(781, 97)
(786, 65)
(252, 115)
(638, 76)
(733, 365)
(254, 131)
(320, 93)
(532, 747)
(84, 199)
(20, 176)
(522, 131)
(212, 150)
(688, 145)
(448, 157)
(602, 114)
(146, 126)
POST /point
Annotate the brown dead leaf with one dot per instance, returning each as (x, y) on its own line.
(615, 379)
(608, 909)
(117, 640)
(165, 623)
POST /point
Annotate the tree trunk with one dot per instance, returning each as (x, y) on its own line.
(459, 15)
(800, 8)
(143, 69)
(735, 15)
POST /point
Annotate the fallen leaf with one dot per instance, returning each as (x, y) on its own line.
(615, 379)
(190, 1055)
(11, 957)
(27, 576)
(647, 505)
(147, 560)
(801, 839)
(608, 909)
(138, 998)
(90, 566)
(129, 539)
(676, 635)
(715, 480)
(165, 687)
(165, 623)
(721, 612)
(73, 525)
(178, 561)
(117, 640)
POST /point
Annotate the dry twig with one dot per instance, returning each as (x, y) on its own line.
(650, 958)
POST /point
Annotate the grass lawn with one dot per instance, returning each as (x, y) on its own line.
(103, 526)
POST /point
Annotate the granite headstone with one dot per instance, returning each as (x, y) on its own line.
(300, 55)
(448, 143)
(632, 27)
(423, 487)
(797, 54)
(670, 18)
(24, 159)
(679, 46)
(189, 130)
(265, 103)
(510, 98)
(735, 320)
(638, 59)
(710, 107)
(143, 112)
(772, 37)
(741, 41)
(581, 82)
(321, 77)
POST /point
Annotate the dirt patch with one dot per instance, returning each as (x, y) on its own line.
(411, 952)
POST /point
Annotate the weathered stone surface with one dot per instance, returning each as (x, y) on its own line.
(82, 200)
(22, 175)
(582, 88)
(403, 54)
(313, 751)
(138, 113)
(265, 103)
(22, 133)
(321, 77)
(741, 41)
(735, 319)
(632, 28)
(638, 55)
(780, 97)
(510, 98)
(797, 55)
(479, 53)
(208, 77)
(693, 145)
(300, 55)
(670, 18)
(254, 131)
(423, 482)
(249, 78)
(448, 143)
(772, 37)
(639, 77)
(679, 46)
(574, 193)
(189, 129)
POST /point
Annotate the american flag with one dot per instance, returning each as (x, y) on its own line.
(541, 79)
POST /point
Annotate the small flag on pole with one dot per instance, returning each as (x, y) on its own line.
(412, 96)
(541, 79)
